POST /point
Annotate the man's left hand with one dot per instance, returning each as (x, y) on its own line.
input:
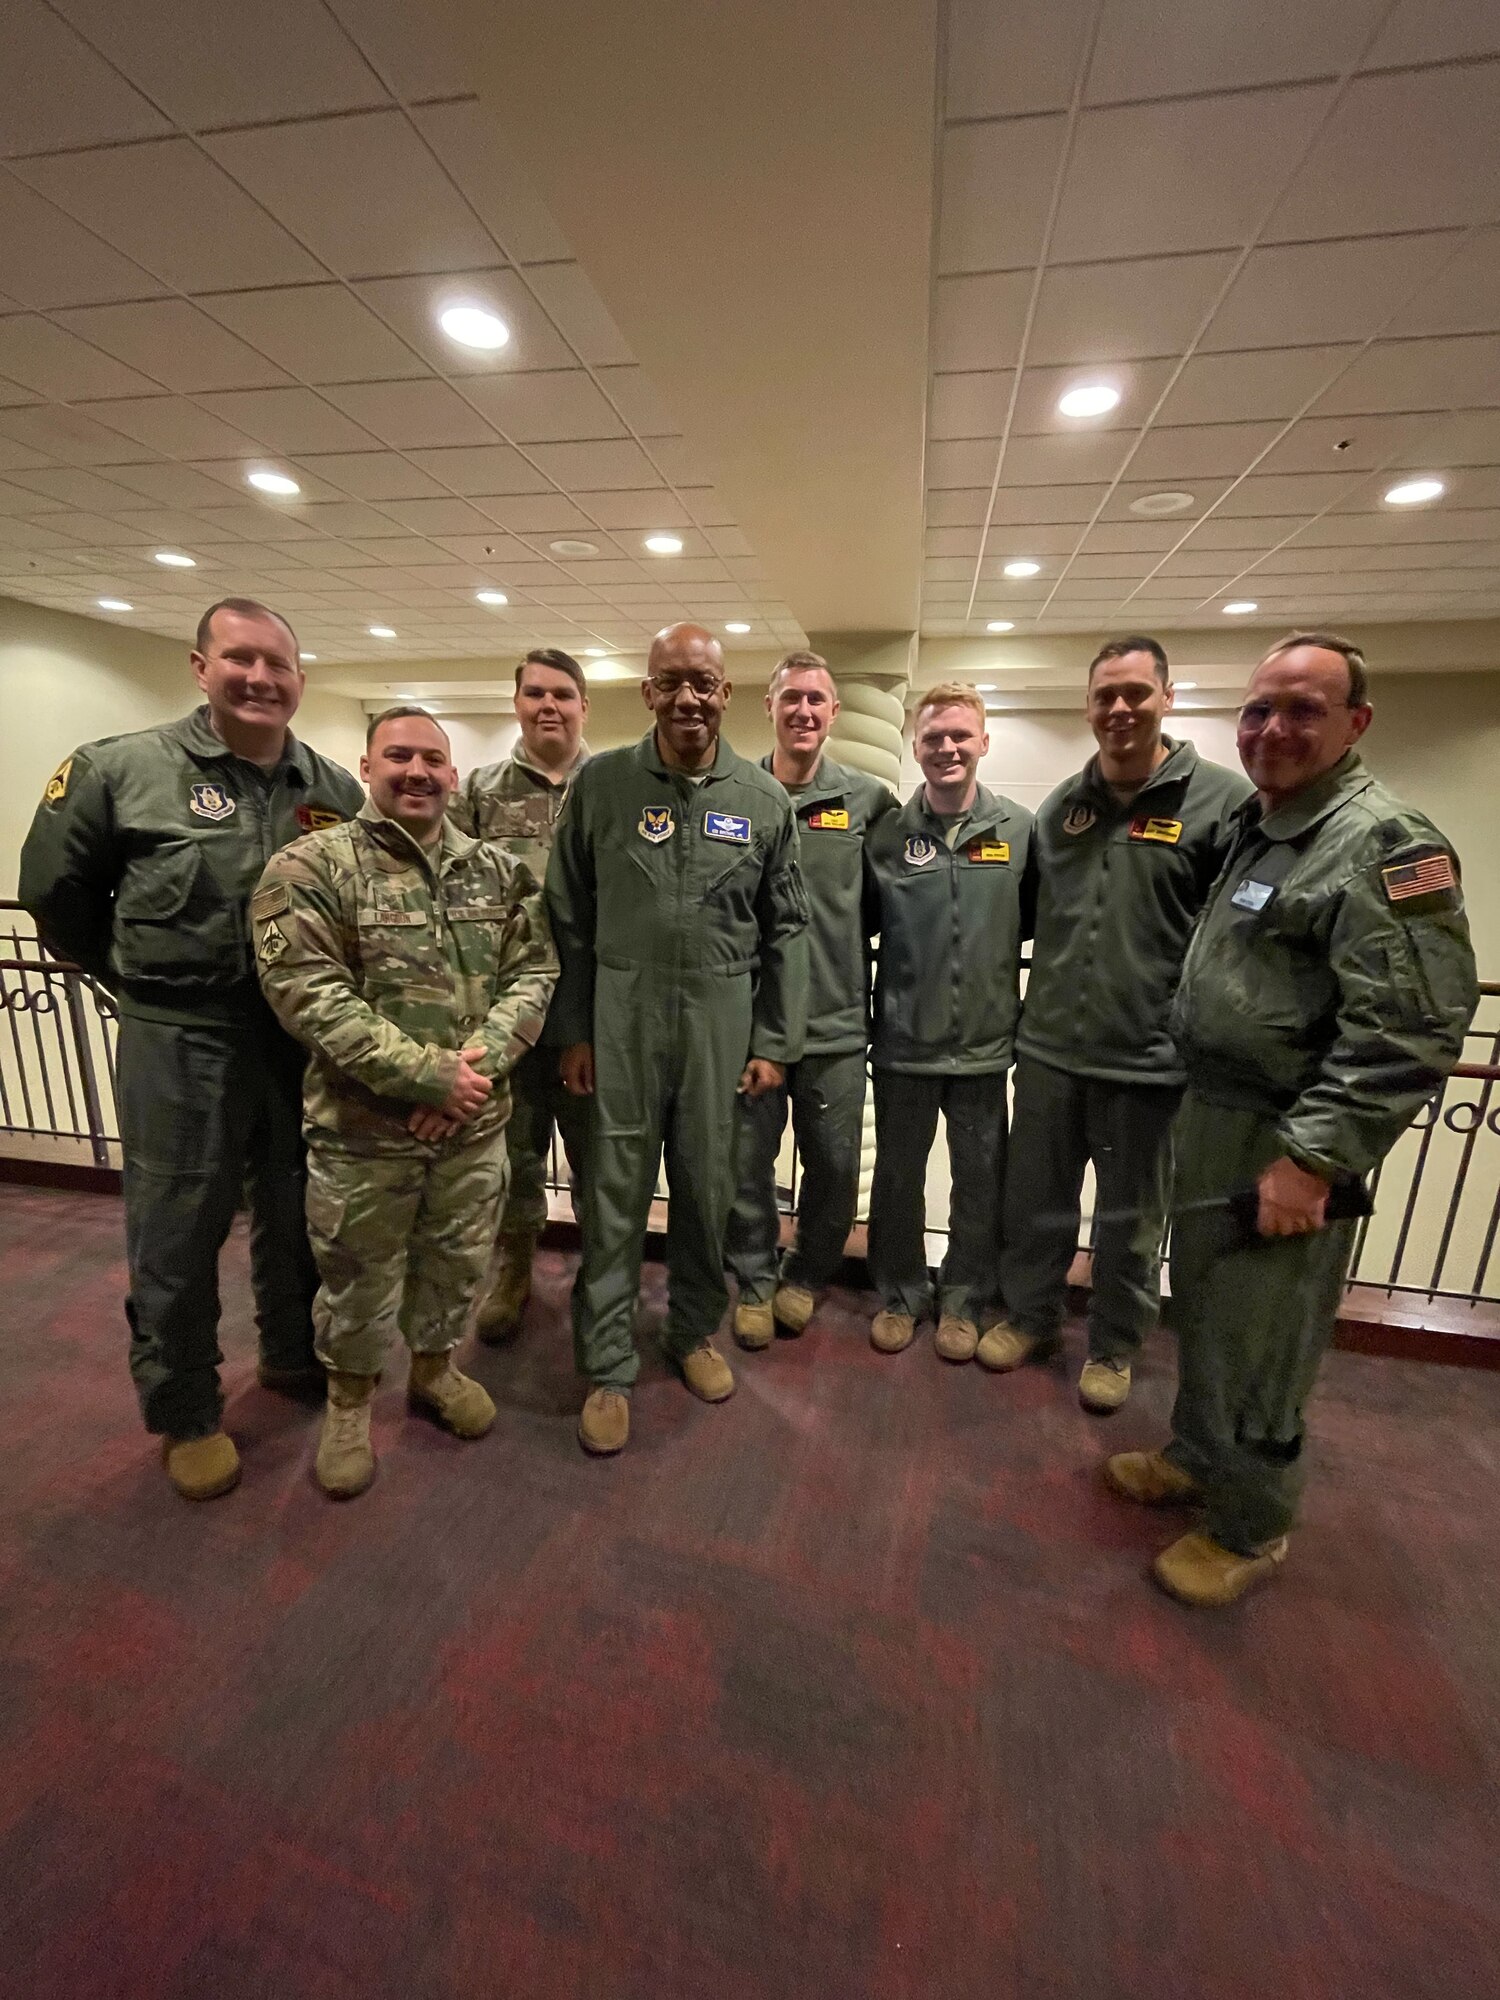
(760, 1076)
(1292, 1200)
(425, 1123)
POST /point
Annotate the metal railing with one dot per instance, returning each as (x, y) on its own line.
(1435, 1232)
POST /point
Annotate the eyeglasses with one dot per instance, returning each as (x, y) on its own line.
(1297, 714)
(702, 685)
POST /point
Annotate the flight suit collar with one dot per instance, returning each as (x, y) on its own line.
(1174, 769)
(197, 736)
(724, 765)
(986, 811)
(454, 846)
(829, 781)
(1305, 809)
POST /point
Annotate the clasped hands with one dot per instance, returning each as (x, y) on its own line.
(466, 1099)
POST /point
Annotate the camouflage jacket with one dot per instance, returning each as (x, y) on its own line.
(386, 961)
(1331, 978)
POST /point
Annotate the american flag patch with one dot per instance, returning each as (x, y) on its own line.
(1430, 875)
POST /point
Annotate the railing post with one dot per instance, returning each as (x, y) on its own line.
(92, 1103)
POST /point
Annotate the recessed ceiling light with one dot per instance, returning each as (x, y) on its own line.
(595, 653)
(1089, 399)
(737, 625)
(114, 604)
(987, 687)
(172, 560)
(569, 548)
(474, 326)
(305, 657)
(1240, 607)
(1154, 504)
(664, 545)
(1414, 492)
(611, 670)
(1001, 625)
(1023, 568)
(382, 631)
(492, 597)
(1183, 686)
(273, 482)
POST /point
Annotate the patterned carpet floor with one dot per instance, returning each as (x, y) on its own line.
(853, 1686)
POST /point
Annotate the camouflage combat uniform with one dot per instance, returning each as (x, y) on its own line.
(387, 960)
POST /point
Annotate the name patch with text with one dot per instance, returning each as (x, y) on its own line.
(988, 850)
(733, 827)
(1167, 830)
(831, 819)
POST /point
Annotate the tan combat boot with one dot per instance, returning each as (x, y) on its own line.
(956, 1339)
(754, 1325)
(707, 1373)
(1151, 1480)
(458, 1403)
(499, 1318)
(1003, 1347)
(794, 1306)
(604, 1423)
(891, 1331)
(346, 1459)
(1104, 1385)
(202, 1468)
(1199, 1571)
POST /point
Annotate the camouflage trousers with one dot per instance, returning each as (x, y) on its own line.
(403, 1243)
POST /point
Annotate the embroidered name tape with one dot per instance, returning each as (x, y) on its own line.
(209, 802)
(733, 827)
(656, 824)
(384, 920)
(1428, 875)
(1167, 830)
(988, 850)
(830, 819)
(1253, 895)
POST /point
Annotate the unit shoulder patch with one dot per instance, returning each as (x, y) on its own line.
(988, 850)
(1424, 881)
(273, 944)
(829, 819)
(57, 785)
(733, 827)
(210, 802)
(313, 819)
(1168, 831)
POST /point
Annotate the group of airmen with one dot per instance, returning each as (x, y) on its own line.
(364, 1013)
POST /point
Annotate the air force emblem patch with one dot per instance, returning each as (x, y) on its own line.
(733, 827)
(209, 802)
(919, 850)
(1079, 819)
(656, 824)
(57, 784)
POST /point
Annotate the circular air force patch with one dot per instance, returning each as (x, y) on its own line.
(210, 802)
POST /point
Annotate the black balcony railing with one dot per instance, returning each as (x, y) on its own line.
(1435, 1232)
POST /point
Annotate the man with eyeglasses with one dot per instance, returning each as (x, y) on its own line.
(1324, 999)
(679, 914)
(1126, 853)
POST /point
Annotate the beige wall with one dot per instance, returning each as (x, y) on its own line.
(66, 681)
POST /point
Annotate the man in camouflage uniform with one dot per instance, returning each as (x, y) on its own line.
(416, 965)
(515, 805)
(1323, 1000)
(139, 866)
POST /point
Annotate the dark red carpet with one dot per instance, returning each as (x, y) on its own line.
(850, 1687)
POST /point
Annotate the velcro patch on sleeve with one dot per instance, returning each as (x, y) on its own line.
(274, 900)
(1430, 873)
(57, 784)
(313, 819)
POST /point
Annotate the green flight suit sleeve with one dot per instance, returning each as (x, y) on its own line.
(525, 976)
(778, 1027)
(1408, 988)
(302, 954)
(70, 865)
(572, 906)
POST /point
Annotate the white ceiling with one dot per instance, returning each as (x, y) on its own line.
(225, 234)
(1274, 229)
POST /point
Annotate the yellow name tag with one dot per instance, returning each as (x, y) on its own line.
(834, 821)
(1169, 830)
(989, 850)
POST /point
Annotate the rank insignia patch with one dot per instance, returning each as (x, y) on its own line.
(273, 944)
(1253, 895)
(209, 802)
(57, 784)
(1430, 874)
(313, 819)
(988, 850)
(829, 819)
(656, 824)
(733, 827)
(1079, 819)
(919, 850)
(1166, 830)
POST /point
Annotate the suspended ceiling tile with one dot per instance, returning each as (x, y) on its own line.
(1291, 295)
(50, 260)
(1251, 387)
(1163, 48)
(996, 181)
(643, 509)
(439, 517)
(1368, 441)
(477, 471)
(1177, 452)
(407, 415)
(1016, 507)
(1419, 374)
(317, 333)
(407, 46)
(578, 313)
(961, 462)
(1064, 458)
(55, 432)
(1019, 58)
(620, 464)
(551, 406)
(978, 320)
(1465, 298)
(75, 486)
(469, 142)
(50, 361)
(175, 426)
(537, 513)
(1101, 313)
(179, 347)
(970, 405)
(59, 92)
(372, 475)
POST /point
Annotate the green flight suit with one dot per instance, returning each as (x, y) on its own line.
(952, 902)
(139, 866)
(680, 920)
(516, 806)
(825, 1091)
(1119, 888)
(1323, 1000)
(386, 959)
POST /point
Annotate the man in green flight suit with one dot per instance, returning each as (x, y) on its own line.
(680, 918)
(835, 809)
(949, 889)
(516, 805)
(1126, 853)
(1324, 999)
(139, 866)
(416, 965)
